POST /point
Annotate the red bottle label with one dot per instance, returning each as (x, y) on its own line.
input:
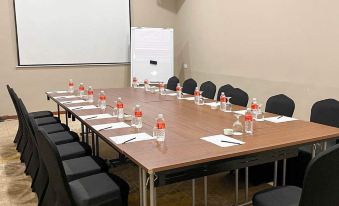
(138, 114)
(120, 105)
(161, 125)
(248, 117)
(146, 82)
(71, 84)
(178, 89)
(254, 106)
(81, 88)
(89, 92)
(223, 99)
(196, 93)
(102, 97)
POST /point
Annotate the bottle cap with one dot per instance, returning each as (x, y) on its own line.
(137, 106)
(160, 116)
(254, 99)
(222, 93)
(119, 98)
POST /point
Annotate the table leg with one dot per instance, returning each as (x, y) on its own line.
(205, 191)
(58, 111)
(325, 146)
(275, 181)
(82, 132)
(236, 187)
(193, 192)
(97, 145)
(284, 172)
(86, 134)
(151, 188)
(93, 144)
(144, 188)
(140, 186)
(314, 147)
(246, 184)
(66, 117)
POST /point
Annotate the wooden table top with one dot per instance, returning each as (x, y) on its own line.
(186, 123)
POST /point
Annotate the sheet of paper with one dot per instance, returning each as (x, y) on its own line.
(172, 94)
(132, 137)
(213, 104)
(279, 119)
(57, 92)
(189, 98)
(73, 102)
(241, 112)
(66, 97)
(96, 116)
(118, 125)
(218, 140)
(83, 107)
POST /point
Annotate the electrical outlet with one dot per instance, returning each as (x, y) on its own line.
(185, 66)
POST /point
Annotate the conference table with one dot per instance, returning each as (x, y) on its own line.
(184, 155)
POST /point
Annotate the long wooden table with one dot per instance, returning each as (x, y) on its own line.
(184, 155)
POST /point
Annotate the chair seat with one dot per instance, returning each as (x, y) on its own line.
(63, 137)
(280, 196)
(73, 150)
(98, 189)
(41, 114)
(46, 120)
(84, 166)
(54, 128)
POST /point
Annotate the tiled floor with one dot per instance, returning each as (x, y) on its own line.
(15, 185)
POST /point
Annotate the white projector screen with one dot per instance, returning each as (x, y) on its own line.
(68, 32)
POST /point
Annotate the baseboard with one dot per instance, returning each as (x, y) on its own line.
(8, 117)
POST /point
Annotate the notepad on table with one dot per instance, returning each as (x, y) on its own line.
(83, 107)
(57, 92)
(131, 138)
(96, 116)
(188, 98)
(241, 112)
(172, 94)
(110, 126)
(222, 140)
(66, 97)
(213, 104)
(280, 119)
(73, 102)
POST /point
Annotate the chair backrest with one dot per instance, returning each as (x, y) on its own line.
(56, 173)
(326, 112)
(280, 104)
(172, 83)
(189, 86)
(227, 89)
(239, 97)
(321, 182)
(208, 89)
(14, 96)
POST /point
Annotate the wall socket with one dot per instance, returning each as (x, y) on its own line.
(185, 66)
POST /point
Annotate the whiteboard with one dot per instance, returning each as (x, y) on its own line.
(150, 46)
(63, 32)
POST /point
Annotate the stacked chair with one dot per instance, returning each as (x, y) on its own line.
(62, 169)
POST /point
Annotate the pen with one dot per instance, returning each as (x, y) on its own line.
(231, 142)
(67, 102)
(129, 140)
(77, 108)
(91, 117)
(105, 128)
(280, 117)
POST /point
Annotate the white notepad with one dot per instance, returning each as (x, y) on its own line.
(132, 137)
(96, 116)
(66, 97)
(241, 112)
(58, 92)
(110, 126)
(213, 104)
(217, 140)
(83, 107)
(280, 119)
(172, 94)
(188, 98)
(73, 102)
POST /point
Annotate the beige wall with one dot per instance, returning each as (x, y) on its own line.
(264, 47)
(30, 84)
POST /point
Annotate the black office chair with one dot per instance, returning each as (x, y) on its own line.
(321, 185)
(280, 104)
(208, 89)
(172, 83)
(227, 89)
(324, 112)
(189, 86)
(97, 189)
(239, 97)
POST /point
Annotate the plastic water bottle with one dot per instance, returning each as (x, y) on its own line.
(71, 86)
(162, 88)
(249, 122)
(254, 107)
(146, 84)
(135, 82)
(179, 91)
(81, 90)
(90, 94)
(120, 107)
(223, 101)
(137, 117)
(160, 128)
(196, 95)
(102, 100)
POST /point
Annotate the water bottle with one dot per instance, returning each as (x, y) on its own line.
(71, 86)
(196, 95)
(102, 100)
(254, 107)
(137, 117)
(120, 107)
(90, 94)
(179, 91)
(135, 82)
(160, 128)
(162, 88)
(249, 122)
(81, 90)
(146, 84)
(223, 101)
